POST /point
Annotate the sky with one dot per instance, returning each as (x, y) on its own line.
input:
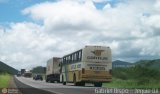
(33, 31)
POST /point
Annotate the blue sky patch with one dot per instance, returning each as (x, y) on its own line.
(10, 10)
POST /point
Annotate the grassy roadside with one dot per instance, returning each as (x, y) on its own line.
(119, 83)
(4, 80)
(135, 77)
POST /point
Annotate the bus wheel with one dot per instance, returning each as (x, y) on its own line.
(64, 83)
(98, 84)
(74, 80)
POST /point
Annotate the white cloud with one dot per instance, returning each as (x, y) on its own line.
(73, 15)
(157, 5)
(153, 21)
(101, 1)
(70, 25)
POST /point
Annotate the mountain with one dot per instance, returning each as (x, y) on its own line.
(122, 64)
(5, 68)
(153, 64)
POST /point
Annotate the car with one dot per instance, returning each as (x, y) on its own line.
(18, 74)
(38, 77)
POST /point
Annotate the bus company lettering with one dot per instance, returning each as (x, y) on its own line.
(98, 58)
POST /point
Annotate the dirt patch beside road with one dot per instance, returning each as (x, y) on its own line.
(12, 88)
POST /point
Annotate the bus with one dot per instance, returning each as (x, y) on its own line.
(91, 64)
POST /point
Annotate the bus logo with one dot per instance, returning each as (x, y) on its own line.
(97, 52)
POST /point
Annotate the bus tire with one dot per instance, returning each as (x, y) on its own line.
(98, 84)
(64, 83)
(74, 80)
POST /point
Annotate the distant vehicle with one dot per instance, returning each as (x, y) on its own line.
(28, 74)
(23, 71)
(91, 64)
(18, 74)
(38, 77)
(53, 70)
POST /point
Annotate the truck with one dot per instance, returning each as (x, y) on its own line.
(53, 69)
(28, 74)
(23, 71)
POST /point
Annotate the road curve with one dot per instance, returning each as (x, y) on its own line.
(41, 87)
(26, 89)
(30, 86)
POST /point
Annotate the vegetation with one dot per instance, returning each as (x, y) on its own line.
(39, 70)
(119, 83)
(151, 64)
(7, 69)
(135, 77)
(4, 80)
(5, 74)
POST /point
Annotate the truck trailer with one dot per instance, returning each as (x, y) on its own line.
(23, 71)
(28, 74)
(53, 70)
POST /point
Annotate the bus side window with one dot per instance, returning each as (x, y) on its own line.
(67, 59)
(80, 55)
(64, 60)
(72, 58)
(75, 56)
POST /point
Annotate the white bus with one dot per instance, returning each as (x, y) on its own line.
(91, 64)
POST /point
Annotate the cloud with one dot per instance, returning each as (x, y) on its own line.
(4, 1)
(80, 16)
(69, 25)
(101, 1)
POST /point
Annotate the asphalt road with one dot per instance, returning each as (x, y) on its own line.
(30, 86)
(55, 88)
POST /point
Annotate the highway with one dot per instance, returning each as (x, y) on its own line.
(30, 86)
(55, 88)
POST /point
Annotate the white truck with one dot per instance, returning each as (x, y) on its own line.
(53, 70)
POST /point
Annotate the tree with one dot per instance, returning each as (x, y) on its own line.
(39, 70)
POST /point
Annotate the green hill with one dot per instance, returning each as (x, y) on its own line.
(121, 64)
(152, 64)
(145, 74)
(39, 70)
(7, 69)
